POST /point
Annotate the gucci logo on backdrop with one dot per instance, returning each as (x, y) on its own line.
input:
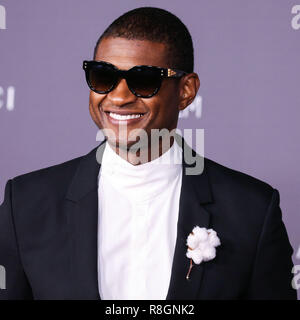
(7, 98)
(296, 272)
(2, 17)
(195, 107)
(2, 278)
(295, 22)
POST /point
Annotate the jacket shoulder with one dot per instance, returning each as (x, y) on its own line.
(55, 178)
(236, 184)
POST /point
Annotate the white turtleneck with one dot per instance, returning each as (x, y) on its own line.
(137, 225)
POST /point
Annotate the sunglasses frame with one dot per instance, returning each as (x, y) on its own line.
(164, 73)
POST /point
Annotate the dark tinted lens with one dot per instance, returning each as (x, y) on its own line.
(145, 81)
(102, 77)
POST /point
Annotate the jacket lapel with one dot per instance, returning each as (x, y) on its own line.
(82, 211)
(195, 192)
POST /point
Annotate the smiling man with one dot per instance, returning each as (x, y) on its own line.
(110, 111)
(151, 94)
(126, 220)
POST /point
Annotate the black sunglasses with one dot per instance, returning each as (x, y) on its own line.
(143, 81)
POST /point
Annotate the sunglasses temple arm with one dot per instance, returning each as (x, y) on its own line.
(174, 73)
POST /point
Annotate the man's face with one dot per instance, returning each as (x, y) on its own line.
(160, 111)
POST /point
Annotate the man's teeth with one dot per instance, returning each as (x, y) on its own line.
(124, 117)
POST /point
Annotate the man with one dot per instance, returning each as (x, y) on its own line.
(114, 224)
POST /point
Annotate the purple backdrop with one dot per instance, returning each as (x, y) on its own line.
(246, 55)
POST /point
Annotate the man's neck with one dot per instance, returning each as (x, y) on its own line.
(144, 155)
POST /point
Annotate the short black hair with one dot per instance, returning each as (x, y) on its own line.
(157, 25)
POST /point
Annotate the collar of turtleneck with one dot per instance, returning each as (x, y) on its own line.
(145, 181)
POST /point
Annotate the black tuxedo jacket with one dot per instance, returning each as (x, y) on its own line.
(48, 235)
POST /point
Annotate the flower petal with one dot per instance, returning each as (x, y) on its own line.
(192, 241)
(209, 253)
(213, 239)
(200, 233)
(197, 256)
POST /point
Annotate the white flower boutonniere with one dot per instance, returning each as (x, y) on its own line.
(202, 245)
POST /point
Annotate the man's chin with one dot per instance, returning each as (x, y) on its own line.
(128, 145)
(121, 144)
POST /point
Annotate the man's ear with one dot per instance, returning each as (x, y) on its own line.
(189, 87)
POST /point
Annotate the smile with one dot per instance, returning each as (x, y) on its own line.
(124, 117)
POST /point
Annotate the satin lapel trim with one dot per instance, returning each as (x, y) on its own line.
(82, 211)
(195, 192)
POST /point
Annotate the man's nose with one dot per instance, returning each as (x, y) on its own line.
(121, 94)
